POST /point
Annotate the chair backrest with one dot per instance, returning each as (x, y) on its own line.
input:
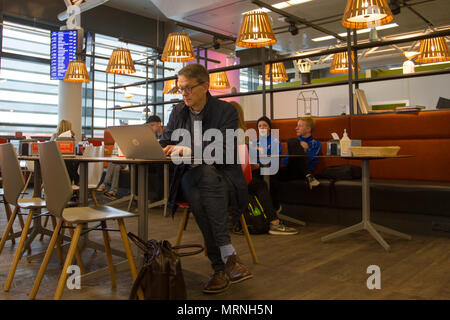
(13, 182)
(244, 158)
(58, 189)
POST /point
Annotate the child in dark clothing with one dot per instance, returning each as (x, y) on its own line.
(305, 144)
(301, 167)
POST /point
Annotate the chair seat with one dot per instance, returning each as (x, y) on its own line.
(183, 204)
(31, 203)
(90, 214)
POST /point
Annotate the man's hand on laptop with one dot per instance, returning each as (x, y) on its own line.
(180, 151)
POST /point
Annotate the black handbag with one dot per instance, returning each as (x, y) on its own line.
(161, 276)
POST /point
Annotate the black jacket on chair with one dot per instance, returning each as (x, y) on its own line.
(217, 114)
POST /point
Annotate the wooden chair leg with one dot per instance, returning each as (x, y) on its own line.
(18, 253)
(8, 216)
(22, 224)
(182, 226)
(45, 226)
(77, 252)
(94, 198)
(109, 256)
(58, 243)
(249, 240)
(126, 244)
(69, 259)
(8, 228)
(48, 254)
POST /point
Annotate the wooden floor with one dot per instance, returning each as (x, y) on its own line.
(291, 267)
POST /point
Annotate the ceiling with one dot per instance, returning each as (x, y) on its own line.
(224, 17)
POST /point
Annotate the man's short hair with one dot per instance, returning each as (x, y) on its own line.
(195, 71)
(153, 118)
(310, 122)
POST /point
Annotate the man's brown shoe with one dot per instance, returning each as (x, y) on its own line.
(218, 282)
(236, 271)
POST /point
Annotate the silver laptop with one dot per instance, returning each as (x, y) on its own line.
(138, 142)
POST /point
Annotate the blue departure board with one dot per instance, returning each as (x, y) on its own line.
(63, 49)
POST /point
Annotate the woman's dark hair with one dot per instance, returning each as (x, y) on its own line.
(265, 119)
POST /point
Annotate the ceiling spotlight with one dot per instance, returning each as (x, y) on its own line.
(293, 29)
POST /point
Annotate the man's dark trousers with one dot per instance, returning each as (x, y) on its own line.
(206, 191)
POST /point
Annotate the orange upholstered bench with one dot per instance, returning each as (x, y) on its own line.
(417, 186)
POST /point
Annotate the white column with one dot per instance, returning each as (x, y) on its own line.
(69, 105)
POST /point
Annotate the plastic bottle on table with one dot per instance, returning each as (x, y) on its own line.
(345, 144)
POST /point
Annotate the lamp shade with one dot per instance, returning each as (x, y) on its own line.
(120, 62)
(362, 14)
(76, 72)
(278, 72)
(219, 80)
(170, 87)
(433, 50)
(255, 31)
(340, 63)
(178, 48)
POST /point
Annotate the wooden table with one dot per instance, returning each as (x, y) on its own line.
(142, 199)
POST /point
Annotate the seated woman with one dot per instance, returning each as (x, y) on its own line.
(72, 166)
(258, 186)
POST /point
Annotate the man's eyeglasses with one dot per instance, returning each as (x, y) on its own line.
(188, 90)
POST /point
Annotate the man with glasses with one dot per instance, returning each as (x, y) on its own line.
(208, 188)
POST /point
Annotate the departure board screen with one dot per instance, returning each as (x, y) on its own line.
(63, 49)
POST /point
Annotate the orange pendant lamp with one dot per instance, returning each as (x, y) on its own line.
(433, 50)
(362, 14)
(219, 80)
(278, 72)
(120, 62)
(255, 31)
(178, 48)
(170, 87)
(340, 63)
(76, 72)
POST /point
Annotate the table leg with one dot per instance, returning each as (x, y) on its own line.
(166, 187)
(366, 224)
(132, 185)
(142, 207)
(84, 184)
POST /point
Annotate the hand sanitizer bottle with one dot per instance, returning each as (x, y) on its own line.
(345, 144)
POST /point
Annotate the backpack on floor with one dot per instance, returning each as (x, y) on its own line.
(255, 216)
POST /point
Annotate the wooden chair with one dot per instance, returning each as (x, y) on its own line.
(246, 168)
(58, 191)
(13, 184)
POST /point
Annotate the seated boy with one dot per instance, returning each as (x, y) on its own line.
(301, 167)
(298, 168)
